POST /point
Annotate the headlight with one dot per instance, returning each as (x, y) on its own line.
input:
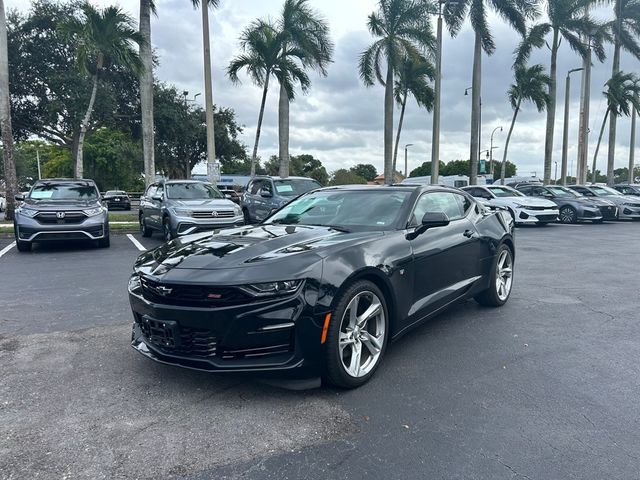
(517, 205)
(635, 205)
(237, 210)
(92, 212)
(182, 212)
(272, 288)
(27, 212)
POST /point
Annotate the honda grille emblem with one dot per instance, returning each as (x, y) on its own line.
(60, 215)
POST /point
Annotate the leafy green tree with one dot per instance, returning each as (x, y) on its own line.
(304, 30)
(568, 20)
(403, 29)
(623, 95)
(531, 84)
(263, 57)
(26, 155)
(366, 171)
(11, 184)
(413, 78)
(625, 29)
(102, 37)
(343, 176)
(301, 165)
(424, 170)
(515, 13)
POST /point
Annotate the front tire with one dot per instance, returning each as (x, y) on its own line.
(501, 280)
(568, 215)
(166, 230)
(357, 337)
(247, 218)
(104, 242)
(144, 230)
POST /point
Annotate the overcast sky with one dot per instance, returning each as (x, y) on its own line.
(340, 121)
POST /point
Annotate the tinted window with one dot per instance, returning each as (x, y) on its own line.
(64, 191)
(525, 190)
(191, 191)
(454, 205)
(255, 187)
(504, 192)
(114, 192)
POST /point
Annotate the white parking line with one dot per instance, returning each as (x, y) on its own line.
(7, 248)
(138, 245)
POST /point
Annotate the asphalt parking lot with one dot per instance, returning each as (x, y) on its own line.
(546, 387)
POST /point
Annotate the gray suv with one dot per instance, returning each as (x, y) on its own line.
(265, 194)
(58, 210)
(181, 207)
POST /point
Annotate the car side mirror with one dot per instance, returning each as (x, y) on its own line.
(19, 198)
(264, 193)
(157, 197)
(430, 220)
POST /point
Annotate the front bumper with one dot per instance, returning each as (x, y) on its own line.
(529, 216)
(626, 211)
(590, 214)
(271, 335)
(188, 225)
(92, 228)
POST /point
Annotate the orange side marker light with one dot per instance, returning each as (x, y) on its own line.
(325, 328)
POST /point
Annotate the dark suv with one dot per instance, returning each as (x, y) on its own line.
(61, 209)
(265, 194)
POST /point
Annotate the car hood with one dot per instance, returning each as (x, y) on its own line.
(202, 203)
(527, 201)
(55, 206)
(616, 199)
(263, 245)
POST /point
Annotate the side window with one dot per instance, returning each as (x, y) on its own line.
(254, 188)
(453, 205)
(474, 192)
(267, 185)
(151, 191)
(525, 190)
(538, 191)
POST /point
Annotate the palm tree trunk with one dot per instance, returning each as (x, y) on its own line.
(255, 145)
(395, 149)
(614, 118)
(208, 93)
(476, 85)
(146, 93)
(551, 109)
(79, 172)
(503, 168)
(10, 177)
(595, 156)
(388, 126)
(632, 145)
(283, 131)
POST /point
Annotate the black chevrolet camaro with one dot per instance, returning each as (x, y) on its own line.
(323, 285)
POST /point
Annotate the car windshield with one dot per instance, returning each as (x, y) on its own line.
(292, 187)
(114, 192)
(505, 192)
(64, 192)
(345, 209)
(604, 191)
(192, 191)
(562, 192)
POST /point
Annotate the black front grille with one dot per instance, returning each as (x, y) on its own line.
(589, 213)
(547, 218)
(60, 218)
(608, 213)
(171, 338)
(192, 295)
(538, 208)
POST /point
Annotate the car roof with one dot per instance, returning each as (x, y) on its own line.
(292, 177)
(45, 181)
(396, 187)
(181, 181)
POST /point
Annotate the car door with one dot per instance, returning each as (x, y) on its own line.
(446, 260)
(250, 195)
(155, 206)
(264, 204)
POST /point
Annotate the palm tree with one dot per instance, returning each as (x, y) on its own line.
(632, 141)
(103, 37)
(515, 12)
(623, 95)
(531, 84)
(146, 90)
(208, 87)
(263, 57)
(10, 178)
(403, 30)
(625, 29)
(568, 20)
(303, 31)
(413, 77)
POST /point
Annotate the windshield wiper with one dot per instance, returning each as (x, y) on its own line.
(338, 228)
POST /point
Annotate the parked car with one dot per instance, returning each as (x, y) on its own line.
(573, 207)
(322, 286)
(628, 189)
(181, 207)
(523, 209)
(230, 192)
(628, 206)
(265, 194)
(117, 199)
(3, 203)
(58, 210)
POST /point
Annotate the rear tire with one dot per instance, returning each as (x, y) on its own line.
(568, 215)
(357, 337)
(501, 280)
(144, 230)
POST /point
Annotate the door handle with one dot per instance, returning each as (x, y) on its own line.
(469, 233)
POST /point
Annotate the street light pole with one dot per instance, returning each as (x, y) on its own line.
(491, 152)
(555, 175)
(466, 92)
(406, 163)
(583, 138)
(565, 136)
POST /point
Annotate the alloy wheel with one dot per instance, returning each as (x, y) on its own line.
(567, 215)
(362, 334)
(504, 275)
(166, 230)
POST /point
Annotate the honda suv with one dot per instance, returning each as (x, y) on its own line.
(61, 209)
(181, 207)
